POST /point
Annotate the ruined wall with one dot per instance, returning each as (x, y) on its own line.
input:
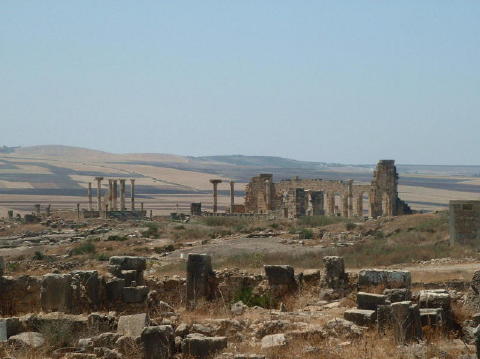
(339, 197)
(464, 222)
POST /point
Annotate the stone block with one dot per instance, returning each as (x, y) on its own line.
(335, 276)
(435, 299)
(433, 317)
(57, 293)
(114, 288)
(362, 317)
(134, 294)
(280, 275)
(406, 322)
(2, 266)
(199, 272)
(132, 325)
(201, 347)
(273, 340)
(398, 294)
(388, 278)
(158, 342)
(370, 301)
(27, 339)
(129, 262)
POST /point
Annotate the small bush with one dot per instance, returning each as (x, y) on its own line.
(248, 298)
(86, 247)
(103, 257)
(349, 226)
(306, 233)
(58, 334)
(117, 238)
(152, 230)
(319, 221)
(164, 249)
(38, 256)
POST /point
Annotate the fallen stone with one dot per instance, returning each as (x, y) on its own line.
(129, 262)
(362, 317)
(158, 342)
(388, 278)
(134, 294)
(370, 301)
(273, 340)
(132, 325)
(27, 339)
(200, 346)
(398, 294)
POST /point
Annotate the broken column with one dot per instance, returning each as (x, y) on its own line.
(199, 273)
(268, 195)
(330, 203)
(335, 276)
(215, 183)
(90, 207)
(115, 195)
(350, 198)
(360, 205)
(122, 195)
(37, 210)
(316, 198)
(110, 194)
(406, 322)
(132, 194)
(99, 193)
(345, 205)
(232, 196)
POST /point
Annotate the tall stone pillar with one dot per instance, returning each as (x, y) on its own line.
(215, 183)
(268, 195)
(360, 205)
(115, 195)
(99, 194)
(199, 273)
(317, 203)
(330, 203)
(122, 195)
(110, 194)
(132, 194)
(232, 196)
(90, 204)
(350, 198)
(345, 205)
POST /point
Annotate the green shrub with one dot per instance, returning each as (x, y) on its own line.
(38, 256)
(86, 247)
(306, 233)
(248, 298)
(58, 334)
(319, 221)
(103, 257)
(152, 230)
(349, 226)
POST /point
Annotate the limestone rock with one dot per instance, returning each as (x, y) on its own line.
(132, 325)
(200, 346)
(27, 339)
(273, 340)
(158, 342)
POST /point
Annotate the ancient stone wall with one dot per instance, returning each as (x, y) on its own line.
(464, 222)
(339, 197)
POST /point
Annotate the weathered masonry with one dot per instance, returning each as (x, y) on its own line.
(298, 197)
(464, 222)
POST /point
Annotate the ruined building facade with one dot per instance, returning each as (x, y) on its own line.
(298, 197)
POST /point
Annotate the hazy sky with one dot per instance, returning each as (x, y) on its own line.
(337, 81)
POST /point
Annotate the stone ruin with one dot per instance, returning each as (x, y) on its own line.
(464, 222)
(296, 197)
(60, 299)
(111, 206)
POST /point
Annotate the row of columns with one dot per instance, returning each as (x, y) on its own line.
(215, 183)
(112, 194)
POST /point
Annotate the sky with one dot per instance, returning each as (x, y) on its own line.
(330, 81)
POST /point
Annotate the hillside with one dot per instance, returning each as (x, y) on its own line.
(60, 174)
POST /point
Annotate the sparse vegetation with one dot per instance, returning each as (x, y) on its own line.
(117, 238)
(250, 299)
(86, 247)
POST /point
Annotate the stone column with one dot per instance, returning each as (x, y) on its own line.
(90, 204)
(132, 194)
(110, 194)
(268, 195)
(232, 196)
(330, 203)
(345, 205)
(78, 210)
(115, 195)
(215, 183)
(360, 205)
(122, 195)
(99, 194)
(199, 271)
(141, 206)
(37, 210)
(350, 198)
